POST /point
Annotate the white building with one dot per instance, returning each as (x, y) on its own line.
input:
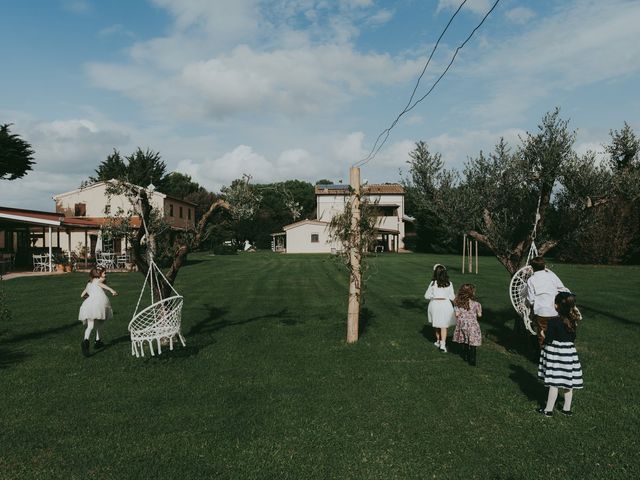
(312, 236)
(94, 204)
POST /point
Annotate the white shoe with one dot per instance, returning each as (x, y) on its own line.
(443, 347)
(437, 343)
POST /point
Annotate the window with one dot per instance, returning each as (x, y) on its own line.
(171, 209)
(180, 212)
(80, 210)
(315, 238)
(189, 213)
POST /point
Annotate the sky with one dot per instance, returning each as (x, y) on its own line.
(300, 89)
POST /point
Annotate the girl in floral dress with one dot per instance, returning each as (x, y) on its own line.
(467, 331)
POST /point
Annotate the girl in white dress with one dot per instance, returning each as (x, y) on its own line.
(96, 309)
(440, 295)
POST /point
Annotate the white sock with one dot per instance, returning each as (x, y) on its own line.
(87, 331)
(551, 399)
(98, 329)
(568, 396)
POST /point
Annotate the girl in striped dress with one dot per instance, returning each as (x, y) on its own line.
(559, 365)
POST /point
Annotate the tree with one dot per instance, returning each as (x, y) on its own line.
(519, 191)
(140, 168)
(146, 167)
(354, 229)
(424, 191)
(282, 203)
(16, 155)
(155, 236)
(623, 150)
(202, 199)
(114, 167)
(179, 185)
(599, 204)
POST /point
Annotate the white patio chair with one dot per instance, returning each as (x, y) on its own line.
(122, 260)
(106, 260)
(40, 263)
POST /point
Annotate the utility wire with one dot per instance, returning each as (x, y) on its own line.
(415, 88)
(384, 135)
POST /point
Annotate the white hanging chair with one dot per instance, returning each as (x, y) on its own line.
(518, 284)
(160, 321)
(518, 290)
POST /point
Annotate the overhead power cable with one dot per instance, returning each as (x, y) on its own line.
(384, 135)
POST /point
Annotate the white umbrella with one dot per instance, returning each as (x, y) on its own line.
(99, 242)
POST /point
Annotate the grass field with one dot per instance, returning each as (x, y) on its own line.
(267, 387)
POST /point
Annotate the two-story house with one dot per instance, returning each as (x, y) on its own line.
(312, 236)
(95, 204)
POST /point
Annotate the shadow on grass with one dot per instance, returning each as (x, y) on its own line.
(414, 304)
(193, 262)
(501, 330)
(211, 324)
(9, 357)
(428, 332)
(609, 315)
(110, 344)
(41, 333)
(201, 334)
(365, 320)
(528, 383)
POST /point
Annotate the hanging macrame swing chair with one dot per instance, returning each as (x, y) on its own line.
(518, 284)
(161, 319)
(518, 290)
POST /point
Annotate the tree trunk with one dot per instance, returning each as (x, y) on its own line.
(182, 250)
(353, 314)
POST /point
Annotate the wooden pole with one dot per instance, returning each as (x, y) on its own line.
(50, 250)
(464, 247)
(476, 257)
(353, 314)
(470, 256)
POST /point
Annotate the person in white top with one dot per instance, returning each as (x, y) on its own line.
(440, 312)
(96, 308)
(542, 288)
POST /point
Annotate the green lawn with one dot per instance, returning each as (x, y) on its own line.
(267, 387)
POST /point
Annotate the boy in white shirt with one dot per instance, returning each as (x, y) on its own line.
(542, 288)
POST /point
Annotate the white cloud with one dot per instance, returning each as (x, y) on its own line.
(577, 46)
(76, 6)
(520, 15)
(71, 145)
(476, 6)
(457, 147)
(115, 30)
(380, 17)
(220, 20)
(34, 191)
(293, 81)
(223, 58)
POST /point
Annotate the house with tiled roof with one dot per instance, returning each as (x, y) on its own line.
(96, 204)
(312, 235)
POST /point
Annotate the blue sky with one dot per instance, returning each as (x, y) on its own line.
(283, 89)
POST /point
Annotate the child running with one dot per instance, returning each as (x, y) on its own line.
(96, 309)
(467, 331)
(559, 365)
(440, 295)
